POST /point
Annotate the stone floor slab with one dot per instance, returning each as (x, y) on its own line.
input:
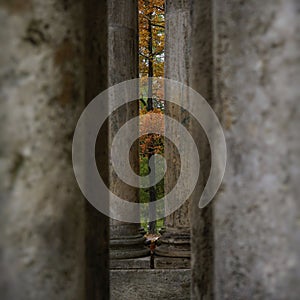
(150, 284)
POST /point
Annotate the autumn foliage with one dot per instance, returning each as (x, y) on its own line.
(151, 143)
(151, 37)
(151, 63)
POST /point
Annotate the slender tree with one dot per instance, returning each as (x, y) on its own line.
(151, 63)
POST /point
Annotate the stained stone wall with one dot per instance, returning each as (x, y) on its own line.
(125, 239)
(42, 213)
(245, 62)
(140, 284)
(201, 79)
(177, 52)
(175, 241)
(256, 94)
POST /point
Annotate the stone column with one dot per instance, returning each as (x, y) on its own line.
(42, 96)
(257, 232)
(175, 241)
(201, 80)
(126, 239)
(256, 94)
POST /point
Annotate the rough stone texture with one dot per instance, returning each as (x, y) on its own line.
(52, 62)
(257, 229)
(201, 79)
(42, 95)
(175, 241)
(126, 241)
(135, 263)
(256, 93)
(151, 284)
(256, 214)
(177, 51)
(172, 262)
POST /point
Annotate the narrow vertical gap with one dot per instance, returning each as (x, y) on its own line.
(151, 64)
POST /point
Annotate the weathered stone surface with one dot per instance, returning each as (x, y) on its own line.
(126, 241)
(125, 246)
(42, 95)
(201, 79)
(175, 241)
(256, 93)
(257, 230)
(52, 62)
(135, 263)
(171, 262)
(150, 284)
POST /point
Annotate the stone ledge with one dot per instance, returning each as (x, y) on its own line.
(131, 263)
(171, 263)
(145, 284)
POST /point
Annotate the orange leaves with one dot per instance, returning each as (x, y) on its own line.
(153, 121)
(151, 13)
(151, 63)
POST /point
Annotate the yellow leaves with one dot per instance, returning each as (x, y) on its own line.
(151, 122)
(151, 49)
(151, 13)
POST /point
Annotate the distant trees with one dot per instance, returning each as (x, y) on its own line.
(151, 38)
(151, 64)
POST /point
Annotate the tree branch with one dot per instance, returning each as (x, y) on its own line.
(153, 24)
(145, 56)
(143, 101)
(159, 8)
(157, 25)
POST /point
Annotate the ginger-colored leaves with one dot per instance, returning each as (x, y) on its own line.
(151, 143)
(151, 36)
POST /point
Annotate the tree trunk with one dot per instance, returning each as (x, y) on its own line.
(150, 107)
